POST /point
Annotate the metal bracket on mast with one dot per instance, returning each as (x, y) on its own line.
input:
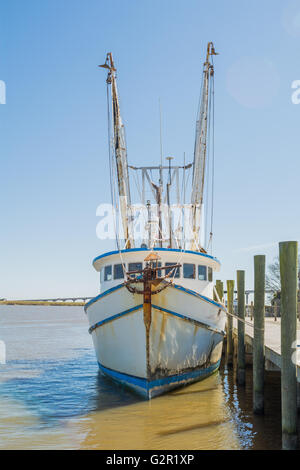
(109, 64)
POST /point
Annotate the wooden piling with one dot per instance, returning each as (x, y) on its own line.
(241, 360)
(220, 290)
(251, 310)
(259, 334)
(230, 293)
(288, 257)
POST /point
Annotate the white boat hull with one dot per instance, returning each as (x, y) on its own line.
(182, 344)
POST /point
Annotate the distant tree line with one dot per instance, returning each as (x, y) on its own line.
(273, 279)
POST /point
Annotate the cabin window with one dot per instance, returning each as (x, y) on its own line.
(202, 273)
(135, 267)
(118, 271)
(176, 271)
(189, 271)
(159, 271)
(102, 275)
(210, 274)
(108, 273)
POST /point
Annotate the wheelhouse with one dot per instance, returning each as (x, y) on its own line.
(195, 271)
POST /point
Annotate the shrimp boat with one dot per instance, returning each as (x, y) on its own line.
(158, 322)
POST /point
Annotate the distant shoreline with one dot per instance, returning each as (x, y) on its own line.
(41, 302)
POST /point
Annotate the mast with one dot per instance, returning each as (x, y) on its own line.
(169, 203)
(120, 151)
(200, 148)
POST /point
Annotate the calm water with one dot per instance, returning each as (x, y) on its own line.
(52, 396)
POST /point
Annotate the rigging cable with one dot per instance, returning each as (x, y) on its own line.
(111, 174)
(213, 159)
(208, 167)
(212, 155)
(233, 315)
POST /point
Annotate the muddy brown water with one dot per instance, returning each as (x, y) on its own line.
(52, 396)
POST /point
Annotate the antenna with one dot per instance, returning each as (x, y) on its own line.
(160, 128)
(183, 225)
(160, 177)
(168, 200)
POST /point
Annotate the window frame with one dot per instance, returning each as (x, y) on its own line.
(159, 271)
(205, 276)
(118, 278)
(178, 270)
(111, 273)
(135, 269)
(194, 270)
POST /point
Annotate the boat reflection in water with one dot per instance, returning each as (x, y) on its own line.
(55, 398)
(193, 417)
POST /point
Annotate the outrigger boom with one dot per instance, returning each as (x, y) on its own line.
(160, 194)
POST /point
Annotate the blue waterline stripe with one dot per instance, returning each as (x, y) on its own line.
(103, 294)
(171, 312)
(176, 286)
(114, 317)
(148, 385)
(200, 296)
(175, 250)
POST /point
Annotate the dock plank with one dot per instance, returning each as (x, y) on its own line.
(272, 340)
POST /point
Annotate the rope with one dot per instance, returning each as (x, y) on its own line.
(137, 184)
(208, 164)
(213, 159)
(244, 321)
(235, 316)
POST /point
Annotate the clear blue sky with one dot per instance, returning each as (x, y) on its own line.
(53, 129)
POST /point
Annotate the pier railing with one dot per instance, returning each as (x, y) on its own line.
(267, 342)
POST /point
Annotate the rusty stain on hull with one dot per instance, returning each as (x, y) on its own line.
(159, 368)
(161, 372)
(147, 322)
(162, 336)
(168, 359)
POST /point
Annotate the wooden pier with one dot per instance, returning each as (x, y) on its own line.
(270, 343)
